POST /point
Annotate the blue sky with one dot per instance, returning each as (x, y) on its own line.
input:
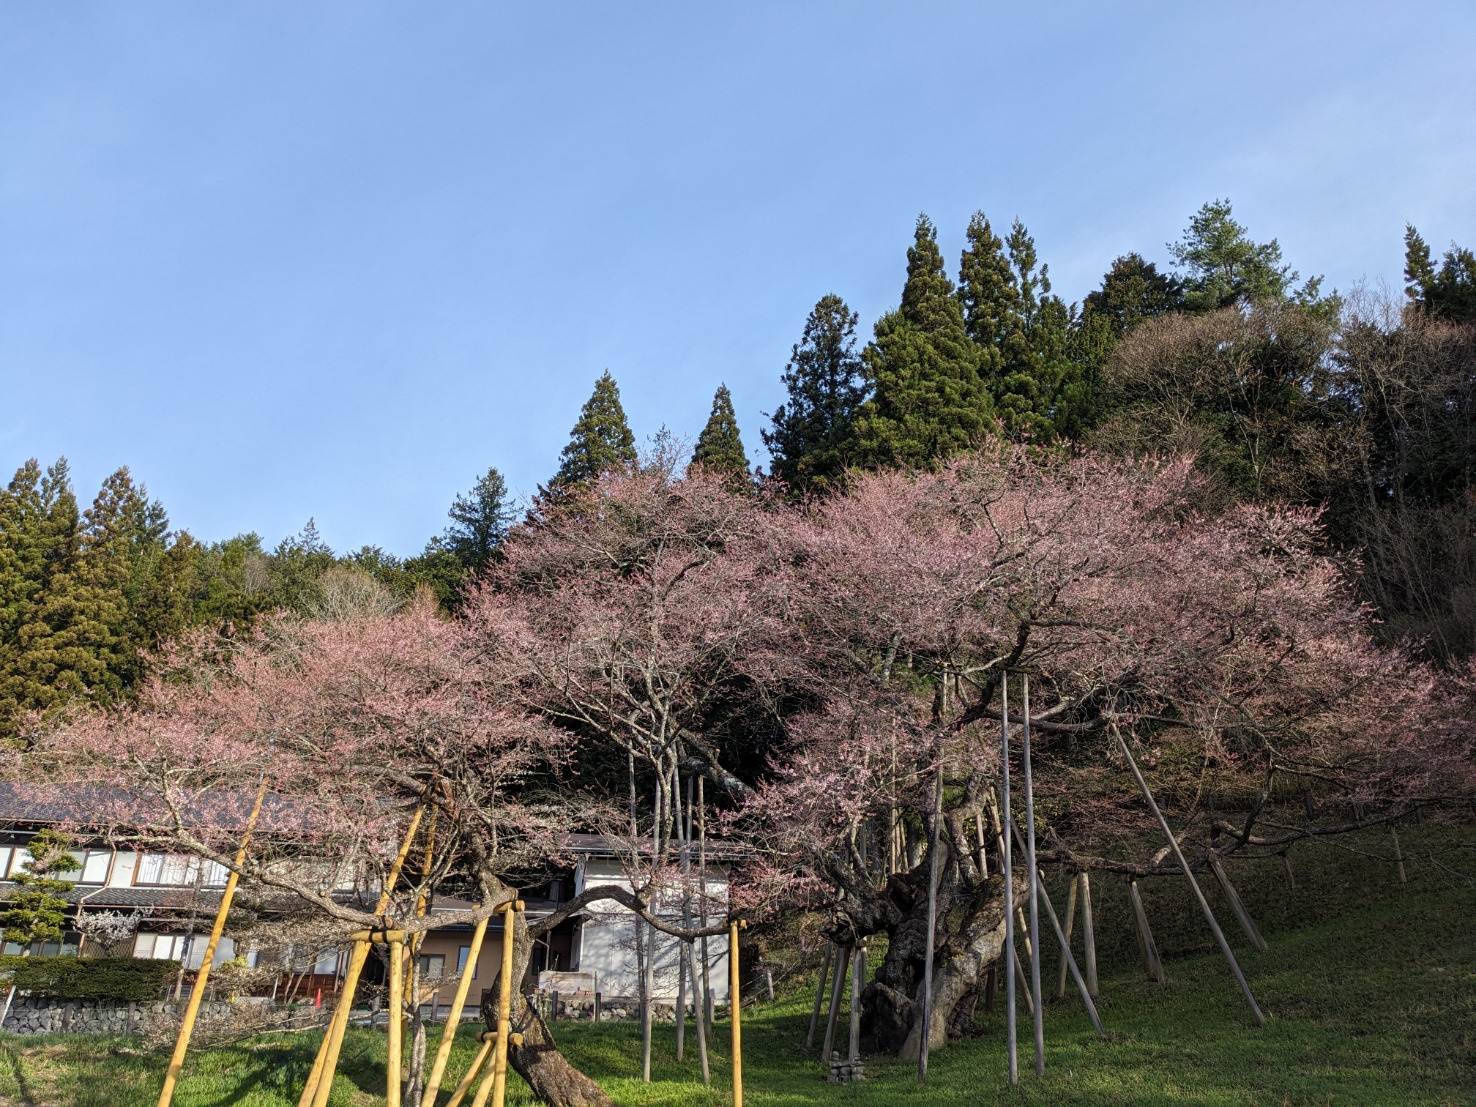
(335, 259)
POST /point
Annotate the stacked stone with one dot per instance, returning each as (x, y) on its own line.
(30, 1015)
(843, 1072)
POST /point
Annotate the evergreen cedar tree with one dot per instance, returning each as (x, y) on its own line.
(810, 443)
(928, 401)
(1448, 293)
(37, 912)
(719, 447)
(479, 521)
(701, 629)
(600, 442)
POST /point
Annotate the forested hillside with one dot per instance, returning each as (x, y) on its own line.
(1285, 392)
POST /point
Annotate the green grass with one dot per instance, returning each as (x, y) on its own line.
(1377, 1006)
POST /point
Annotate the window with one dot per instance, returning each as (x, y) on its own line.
(461, 955)
(177, 870)
(95, 866)
(5, 855)
(327, 964)
(432, 966)
(160, 947)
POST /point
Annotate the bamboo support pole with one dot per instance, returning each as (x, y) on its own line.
(1209, 916)
(320, 1080)
(1088, 934)
(1067, 960)
(395, 1031)
(1022, 982)
(934, 848)
(735, 1007)
(1398, 854)
(819, 995)
(1009, 877)
(488, 1043)
(197, 994)
(1237, 906)
(1066, 945)
(453, 1020)
(504, 1003)
(1036, 995)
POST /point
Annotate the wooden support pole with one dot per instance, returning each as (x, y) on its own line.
(1036, 995)
(735, 1008)
(698, 1002)
(1237, 906)
(396, 1028)
(320, 1080)
(504, 1003)
(1066, 944)
(1147, 950)
(1009, 879)
(858, 981)
(1209, 916)
(1022, 982)
(935, 844)
(197, 994)
(819, 996)
(453, 1020)
(1088, 934)
(1398, 854)
(488, 1043)
(1068, 961)
(837, 986)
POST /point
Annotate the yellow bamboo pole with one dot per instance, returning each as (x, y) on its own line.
(197, 995)
(488, 1042)
(504, 1004)
(315, 1094)
(453, 1020)
(735, 1007)
(396, 1028)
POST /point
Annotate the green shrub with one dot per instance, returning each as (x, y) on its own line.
(100, 978)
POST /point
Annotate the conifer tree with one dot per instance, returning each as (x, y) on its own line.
(1132, 290)
(927, 400)
(479, 521)
(1224, 266)
(1023, 333)
(824, 379)
(600, 441)
(61, 642)
(719, 447)
(1447, 293)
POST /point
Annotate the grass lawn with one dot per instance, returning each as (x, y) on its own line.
(1378, 1006)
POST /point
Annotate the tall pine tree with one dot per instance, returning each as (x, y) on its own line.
(824, 379)
(719, 447)
(1445, 293)
(600, 441)
(479, 521)
(928, 401)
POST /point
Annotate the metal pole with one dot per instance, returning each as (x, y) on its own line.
(734, 1007)
(1204, 906)
(1037, 998)
(1009, 879)
(197, 994)
(925, 1034)
(453, 1020)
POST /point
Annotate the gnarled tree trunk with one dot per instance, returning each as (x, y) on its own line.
(538, 1060)
(970, 938)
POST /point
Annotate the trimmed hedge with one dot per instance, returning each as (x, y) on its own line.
(100, 978)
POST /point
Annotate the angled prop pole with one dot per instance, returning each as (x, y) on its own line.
(453, 1019)
(1209, 916)
(1037, 997)
(197, 994)
(504, 1003)
(320, 1080)
(1009, 873)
